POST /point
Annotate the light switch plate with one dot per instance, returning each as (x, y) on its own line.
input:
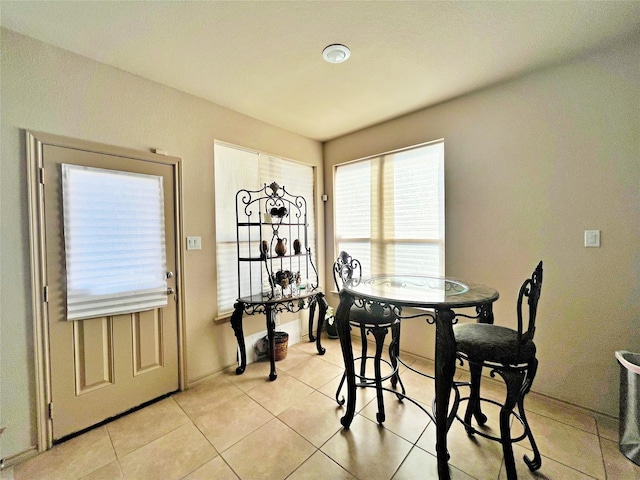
(194, 243)
(592, 238)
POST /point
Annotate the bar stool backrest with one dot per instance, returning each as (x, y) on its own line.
(531, 289)
(345, 269)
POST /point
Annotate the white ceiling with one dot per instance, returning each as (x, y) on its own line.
(264, 58)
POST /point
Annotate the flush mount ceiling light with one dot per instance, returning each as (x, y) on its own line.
(336, 53)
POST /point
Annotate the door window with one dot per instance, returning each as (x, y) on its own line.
(114, 235)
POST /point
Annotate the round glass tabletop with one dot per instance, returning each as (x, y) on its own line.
(421, 291)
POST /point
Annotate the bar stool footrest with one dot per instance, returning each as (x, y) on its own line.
(471, 430)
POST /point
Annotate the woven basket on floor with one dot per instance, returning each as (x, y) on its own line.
(281, 342)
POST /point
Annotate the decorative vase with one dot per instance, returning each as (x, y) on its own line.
(264, 249)
(296, 246)
(281, 247)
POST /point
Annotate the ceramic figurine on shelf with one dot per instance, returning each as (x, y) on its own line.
(264, 249)
(281, 247)
(296, 246)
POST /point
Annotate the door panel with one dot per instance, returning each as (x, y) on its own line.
(147, 341)
(102, 367)
(93, 355)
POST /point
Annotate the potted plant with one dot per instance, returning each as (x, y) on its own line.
(330, 321)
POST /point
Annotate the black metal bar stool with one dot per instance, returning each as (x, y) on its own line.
(510, 354)
(376, 323)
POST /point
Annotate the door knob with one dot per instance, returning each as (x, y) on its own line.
(170, 291)
(169, 274)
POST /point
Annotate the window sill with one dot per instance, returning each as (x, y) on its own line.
(222, 319)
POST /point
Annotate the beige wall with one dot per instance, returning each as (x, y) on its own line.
(50, 90)
(530, 165)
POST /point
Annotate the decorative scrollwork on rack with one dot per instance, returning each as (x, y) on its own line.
(314, 286)
(291, 305)
(269, 222)
(245, 197)
(274, 189)
(254, 308)
(279, 203)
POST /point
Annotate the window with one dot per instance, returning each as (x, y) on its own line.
(114, 242)
(236, 168)
(389, 211)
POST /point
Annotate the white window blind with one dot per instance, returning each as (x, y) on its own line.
(235, 169)
(114, 241)
(389, 211)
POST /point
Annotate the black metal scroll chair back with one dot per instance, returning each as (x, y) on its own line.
(348, 269)
(512, 355)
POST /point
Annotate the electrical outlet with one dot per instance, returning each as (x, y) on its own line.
(194, 243)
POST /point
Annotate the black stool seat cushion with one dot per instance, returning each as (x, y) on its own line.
(359, 316)
(482, 342)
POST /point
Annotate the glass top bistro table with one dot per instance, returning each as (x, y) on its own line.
(391, 294)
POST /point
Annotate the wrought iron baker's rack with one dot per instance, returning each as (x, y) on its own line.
(268, 215)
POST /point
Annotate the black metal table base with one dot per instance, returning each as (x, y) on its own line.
(270, 308)
(445, 367)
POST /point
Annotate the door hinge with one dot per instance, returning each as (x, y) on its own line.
(42, 175)
(45, 294)
(50, 410)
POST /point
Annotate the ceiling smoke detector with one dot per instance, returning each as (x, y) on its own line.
(336, 53)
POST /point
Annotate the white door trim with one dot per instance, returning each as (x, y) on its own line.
(34, 147)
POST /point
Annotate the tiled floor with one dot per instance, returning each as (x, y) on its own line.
(230, 427)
